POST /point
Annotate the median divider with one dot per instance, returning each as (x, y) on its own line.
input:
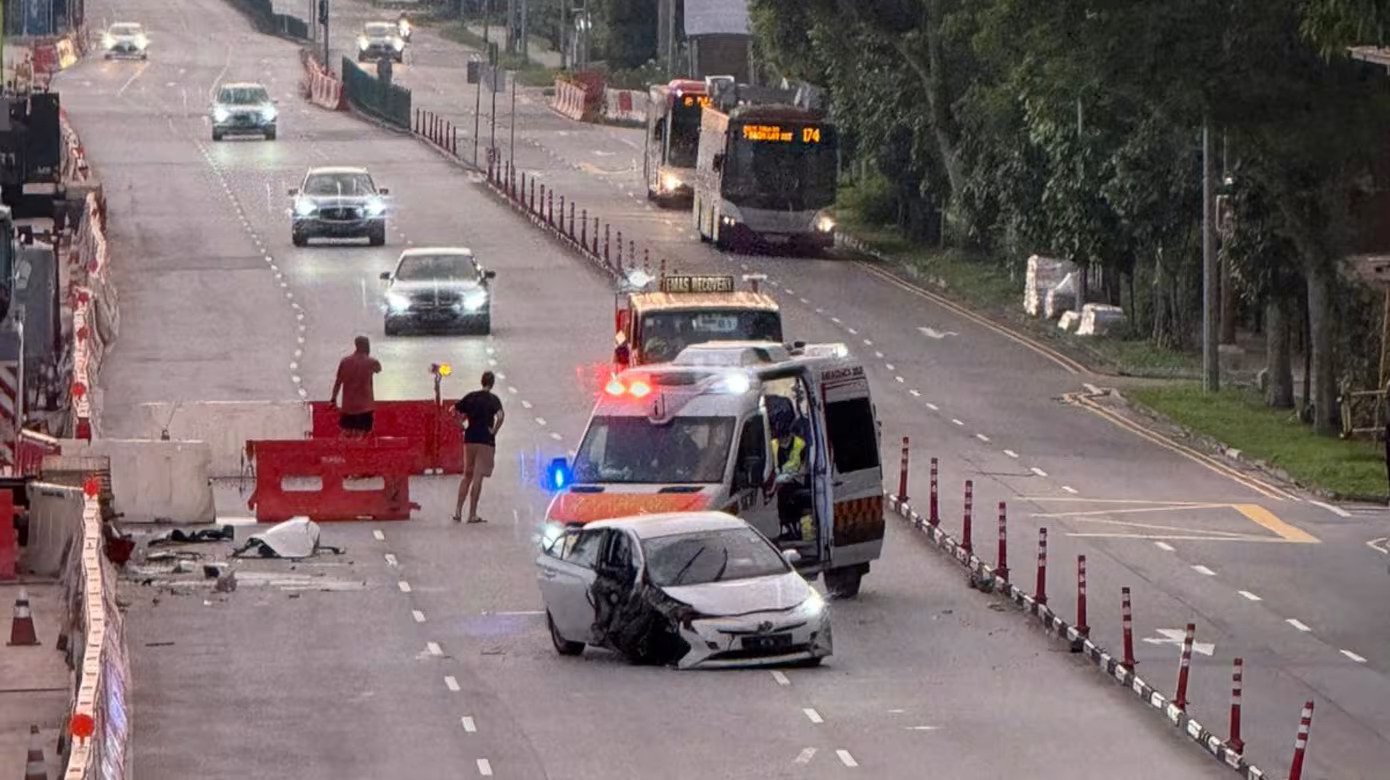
(382, 100)
(320, 86)
(995, 579)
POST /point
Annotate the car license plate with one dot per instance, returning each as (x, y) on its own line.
(771, 642)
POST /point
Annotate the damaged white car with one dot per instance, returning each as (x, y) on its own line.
(698, 589)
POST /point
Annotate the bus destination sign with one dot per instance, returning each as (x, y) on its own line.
(697, 284)
(807, 134)
(690, 101)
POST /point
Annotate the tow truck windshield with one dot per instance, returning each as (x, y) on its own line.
(666, 333)
(635, 450)
(710, 556)
(782, 176)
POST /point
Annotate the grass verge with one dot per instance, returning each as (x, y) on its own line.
(1239, 419)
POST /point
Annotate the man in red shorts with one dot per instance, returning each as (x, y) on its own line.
(355, 377)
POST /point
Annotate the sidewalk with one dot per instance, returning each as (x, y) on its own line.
(34, 681)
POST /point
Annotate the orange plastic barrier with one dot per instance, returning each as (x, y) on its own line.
(9, 540)
(435, 436)
(333, 463)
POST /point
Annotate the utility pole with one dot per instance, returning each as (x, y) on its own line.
(671, 39)
(478, 110)
(511, 26)
(1211, 365)
(564, 33)
(511, 150)
(492, 86)
(323, 19)
(525, 33)
(487, 18)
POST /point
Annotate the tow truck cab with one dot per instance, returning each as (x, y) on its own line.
(654, 326)
(696, 434)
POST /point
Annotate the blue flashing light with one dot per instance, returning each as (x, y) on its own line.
(558, 475)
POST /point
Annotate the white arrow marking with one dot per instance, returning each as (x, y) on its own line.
(1175, 636)
(933, 333)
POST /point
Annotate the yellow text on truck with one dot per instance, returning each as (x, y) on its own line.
(654, 326)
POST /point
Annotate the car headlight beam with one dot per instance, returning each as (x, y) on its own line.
(397, 302)
(268, 113)
(375, 207)
(362, 43)
(825, 224)
(399, 44)
(141, 42)
(304, 207)
(107, 41)
(475, 300)
(221, 114)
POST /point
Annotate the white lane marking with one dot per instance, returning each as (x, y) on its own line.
(1164, 546)
(1011, 453)
(933, 406)
(1249, 596)
(891, 367)
(418, 615)
(1092, 389)
(955, 421)
(915, 393)
(555, 436)
(1381, 545)
(805, 756)
(846, 758)
(812, 715)
(835, 320)
(1070, 489)
(132, 79)
(900, 379)
(468, 725)
(1354, 656)
(852, 331)
(1038, 471)
(391, 560)
(1336, 510)
(878, 355)
(1298, 624)
(379, 536)
(868, 342)
(922, 728)
(540, 421)
(780, 677)
(511, 390)
(451, 683)
(803, 300)
(404, 586)
(1204, 571)
(434, 648)
(484, 767)
(525, 404)
(982, 437)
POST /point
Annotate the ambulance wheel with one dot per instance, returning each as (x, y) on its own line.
(843, 583)
(562, 646)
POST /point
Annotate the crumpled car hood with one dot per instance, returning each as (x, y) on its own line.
(741, 597)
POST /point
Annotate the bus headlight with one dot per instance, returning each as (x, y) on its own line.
(670, 181)
(825, 224)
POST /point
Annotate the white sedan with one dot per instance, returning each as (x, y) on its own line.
(698, 589)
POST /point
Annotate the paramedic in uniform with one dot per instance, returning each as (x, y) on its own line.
(789, 452)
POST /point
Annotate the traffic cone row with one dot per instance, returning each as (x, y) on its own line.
(22, 629)
(35, 767)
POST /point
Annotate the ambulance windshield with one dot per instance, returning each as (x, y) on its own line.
(688, 450)
(666, 333)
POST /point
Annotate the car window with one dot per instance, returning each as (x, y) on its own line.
(243, 96)
(850, 424)
(620, 551)
(378, 29)
(586, 549)
(125, 29)
(752, 446)
(456, 268)
(339, 184)
(711, 556)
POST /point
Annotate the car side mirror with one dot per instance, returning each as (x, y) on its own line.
(385, 276)
(489, 274)
(792, 556)
(383, 191)
(294, 191)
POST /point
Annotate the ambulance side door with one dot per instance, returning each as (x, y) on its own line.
(855, 470)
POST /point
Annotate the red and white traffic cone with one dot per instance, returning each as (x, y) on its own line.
(35, 767)
(1184, 667)
(1300, 744)
(1234, 742)
(22, 629)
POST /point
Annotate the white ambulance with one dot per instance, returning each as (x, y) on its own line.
(718, 429)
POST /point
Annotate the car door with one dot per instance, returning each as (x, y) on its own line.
(566, 582)
(752, 474)
(856, 473)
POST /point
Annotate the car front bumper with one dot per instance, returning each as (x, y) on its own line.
(315, 226)
(378, 52)
(737, 642)
(126, 50)
(428, 319)
(250, 126)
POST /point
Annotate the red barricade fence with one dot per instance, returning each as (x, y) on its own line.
(435, 437)
(335, 464)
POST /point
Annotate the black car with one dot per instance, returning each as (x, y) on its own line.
(338, 203)
(438, 289)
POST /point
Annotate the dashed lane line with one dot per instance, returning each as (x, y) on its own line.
(451, 683)
(1070, 489)
(780, 677)
(1336, 510)
(812, 715)
(1248, 596)
(982, 437)
(391, 560)
(1298, 624)
(469, 726)
(484, 767)
(434, 648)
(378, 535)
(418, 615)
(846, 758)
(1204, 571)
(1164, 546)
(805, 756)
(933, 407)
(1011, 454)
(404, 586)
(1354, 656)
(957, 422)
(1038, 471)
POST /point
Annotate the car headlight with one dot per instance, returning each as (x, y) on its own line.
(220, 114)
(813, 607)
(362, 42)
(268, 113)
(825, 224)
(474, 300)
(107, 41)
(375, 207)
(398, 43)
(397, 302)
(304, 207)
(670, 182)
(141, 41)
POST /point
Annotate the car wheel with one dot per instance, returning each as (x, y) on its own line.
(393, 328)
(485, 324)
(298, 238)
(843, 583)
(377, 236)
(562, 646)
(270, 134)
(216, 135)
(108, 55)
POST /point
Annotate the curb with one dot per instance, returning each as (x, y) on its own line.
(1059, 628)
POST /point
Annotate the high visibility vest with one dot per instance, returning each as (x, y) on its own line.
(790, 461)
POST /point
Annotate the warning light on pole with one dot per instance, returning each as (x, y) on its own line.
(441, 369)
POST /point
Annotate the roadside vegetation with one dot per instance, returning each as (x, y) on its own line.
(528, 72)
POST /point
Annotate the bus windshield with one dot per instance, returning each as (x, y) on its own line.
(782, 176)
(665, 333)
(684, 123)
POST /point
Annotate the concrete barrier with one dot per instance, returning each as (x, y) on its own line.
(55, 521)
(625, 106)
(570, 100)
(226, 426)
(155, 481)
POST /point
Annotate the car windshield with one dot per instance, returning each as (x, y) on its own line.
(454, 268)
(665, 333)
(243, 96)
(687, 450)
(783, 175)
(380, 30)
(125, 29)
(350, 184)
(711, 556)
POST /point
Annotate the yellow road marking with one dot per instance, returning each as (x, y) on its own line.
(1069, 365)
(1176, 528)
(1108, 512)
(1263, 488)
(1114, 501)
(1180, 538)
(1265, 518)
